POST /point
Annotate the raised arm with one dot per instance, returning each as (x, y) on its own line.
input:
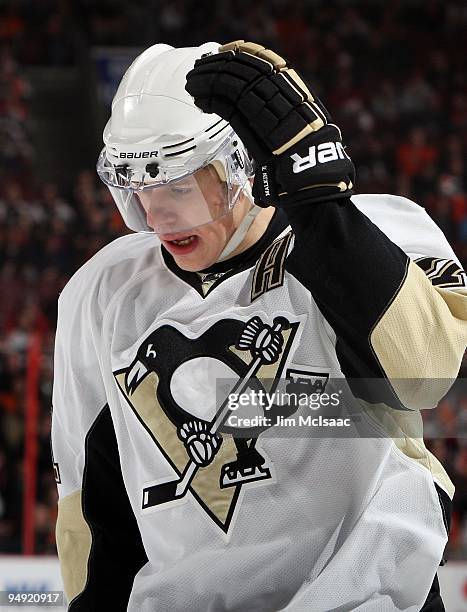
(389, 320)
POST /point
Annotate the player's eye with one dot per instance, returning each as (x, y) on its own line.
(179, 191)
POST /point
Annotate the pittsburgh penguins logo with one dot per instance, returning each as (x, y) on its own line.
(169, 386)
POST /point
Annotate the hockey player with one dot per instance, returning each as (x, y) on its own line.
(162, 505)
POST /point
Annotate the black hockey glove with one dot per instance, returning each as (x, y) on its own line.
(298, 152)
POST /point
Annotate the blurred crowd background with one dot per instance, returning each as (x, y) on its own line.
(392, 74)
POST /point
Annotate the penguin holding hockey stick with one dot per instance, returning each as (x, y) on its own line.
(264, 343)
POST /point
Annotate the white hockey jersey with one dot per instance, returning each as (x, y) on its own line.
(321, 524)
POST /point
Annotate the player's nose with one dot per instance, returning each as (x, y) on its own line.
(158, 216)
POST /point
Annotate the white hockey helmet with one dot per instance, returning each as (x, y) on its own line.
(157, 139)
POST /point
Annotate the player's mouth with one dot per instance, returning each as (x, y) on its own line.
(180, 245)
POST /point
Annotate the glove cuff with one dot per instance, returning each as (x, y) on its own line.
(316, 169)
(313, 196)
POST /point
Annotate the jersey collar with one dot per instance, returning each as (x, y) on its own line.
(235, 264)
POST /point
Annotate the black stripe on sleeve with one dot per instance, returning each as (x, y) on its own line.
(354, 272)
(117, 551)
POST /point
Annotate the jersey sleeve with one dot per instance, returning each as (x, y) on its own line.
(408, 225)
(98, 542)
(359, 260)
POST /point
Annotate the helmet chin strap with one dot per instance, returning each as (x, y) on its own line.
(241, 231)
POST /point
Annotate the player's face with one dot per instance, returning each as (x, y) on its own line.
(185, 204)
